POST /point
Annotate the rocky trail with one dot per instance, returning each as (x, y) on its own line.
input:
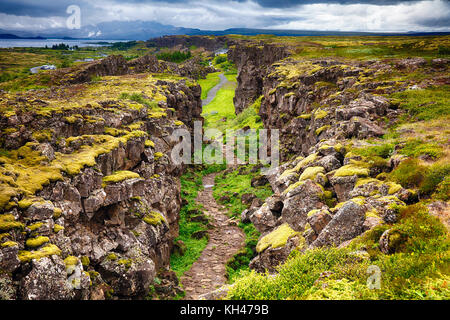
(225, 239)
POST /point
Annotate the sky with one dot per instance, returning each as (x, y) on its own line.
(327, 15)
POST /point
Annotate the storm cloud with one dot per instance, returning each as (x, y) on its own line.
(345, 15)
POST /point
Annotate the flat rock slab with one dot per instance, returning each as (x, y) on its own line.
(225, 240)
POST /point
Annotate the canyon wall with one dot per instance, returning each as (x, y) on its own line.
(90, 198)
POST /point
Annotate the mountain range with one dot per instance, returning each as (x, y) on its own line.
(144, 30)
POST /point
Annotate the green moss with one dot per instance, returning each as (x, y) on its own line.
(48, 250)
(119, 176)
(36, 242)
(277, 238)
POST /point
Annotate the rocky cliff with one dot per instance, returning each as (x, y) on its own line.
(328, 190)
(252, 60)
(89, 197)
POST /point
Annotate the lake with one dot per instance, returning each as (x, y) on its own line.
(13, 43)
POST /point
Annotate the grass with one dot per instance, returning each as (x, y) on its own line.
(221, 107)
(211, 80)
(425, 104)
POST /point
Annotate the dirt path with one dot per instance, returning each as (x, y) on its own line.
(212, 93)
(225, 239)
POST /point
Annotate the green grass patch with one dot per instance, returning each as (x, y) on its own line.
(221, 108)
(211, 80)
(425, 104)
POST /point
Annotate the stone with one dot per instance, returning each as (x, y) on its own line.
(299, 202)
(47, 280)
(263, 219)
(247, 198)
(346, 224)
(319, 220)
(343, 186)
(40, 211)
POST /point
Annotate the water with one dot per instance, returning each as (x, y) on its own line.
(41, 43)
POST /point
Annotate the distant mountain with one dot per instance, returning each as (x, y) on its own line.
(113, 30)
(144, 30)
(13, 36)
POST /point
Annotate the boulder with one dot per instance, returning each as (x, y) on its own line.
(346, 224)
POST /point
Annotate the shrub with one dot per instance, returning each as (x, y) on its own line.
(409, 173)
(435, 174)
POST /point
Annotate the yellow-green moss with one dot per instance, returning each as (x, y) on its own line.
(305, 116)
(393, 187)
(320, 114)
(364, 181)
(154, 218)
(48, 250)
(149, 143)
(8, 244)
(311, 173)
(351, 170)
(277, 238)
(85, 261)
(70, 261)
(125, 262)
(8, 222)
(37, 242)
(312, 212)
(57, 228)
(293, 186)
(119, 176)
(321, 129)
(359, 200)
(303, 163)
(112, 256)
(34, 226)
(158, 155)
(57, 213)
(373, 213)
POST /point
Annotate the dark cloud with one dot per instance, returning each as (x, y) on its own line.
(388, 15)
(42, 8)
(293, 3)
